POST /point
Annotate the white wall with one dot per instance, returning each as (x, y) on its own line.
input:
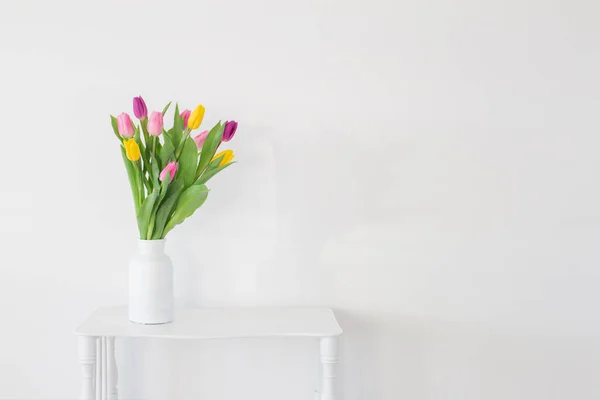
(429, 169)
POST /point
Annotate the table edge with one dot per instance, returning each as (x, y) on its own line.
(337, 333)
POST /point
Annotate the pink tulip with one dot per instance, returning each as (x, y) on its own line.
(200, 138)
(171, 169)
(185, 115)
(155, 123)
(124, 125)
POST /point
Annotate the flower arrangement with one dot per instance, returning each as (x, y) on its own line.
(168, 177)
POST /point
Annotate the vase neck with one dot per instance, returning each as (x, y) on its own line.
(152, 247)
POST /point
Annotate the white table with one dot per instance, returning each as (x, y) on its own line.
(97, 338)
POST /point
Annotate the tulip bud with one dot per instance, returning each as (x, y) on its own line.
(132, 150)
(229, 131)
(227, 157)
(171, 169)
(196, 117)
(200, 138)
(139, 108)
(185, 116)
(155, 123)
(124, 125)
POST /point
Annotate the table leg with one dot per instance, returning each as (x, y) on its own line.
(87, 359)
(112, 373)
(99, 367)
(329, 360)
(105, 376)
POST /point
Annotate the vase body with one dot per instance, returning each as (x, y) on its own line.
(151, 284)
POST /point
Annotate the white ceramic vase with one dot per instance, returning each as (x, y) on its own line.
(151, 284)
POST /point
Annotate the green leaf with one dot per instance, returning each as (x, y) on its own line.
(150, 158)
(144, 157)
(158, 144)
(177, 184)
(140, 143)
(138, 139)
(144, 124)
(131, 174)
(144, 162)
(166, 152)
(164, 185)
(145, 212)
(168, 134)
(210, 147)
(166, 207)
(189, 201)
(163, 191)
(215, 162)
(188, 161)
(177, 127)
(210, 172)
(155, 171)
(115, 126)
(164, 111)
(147, 183)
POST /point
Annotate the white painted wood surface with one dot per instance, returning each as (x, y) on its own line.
(111, 368)
(217, 323)
(97, 338)
(87, 360)
(99, 365)
(329, 360)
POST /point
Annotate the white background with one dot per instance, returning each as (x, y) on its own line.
(429, 169)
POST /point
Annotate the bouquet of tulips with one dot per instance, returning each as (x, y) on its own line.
(168, 176)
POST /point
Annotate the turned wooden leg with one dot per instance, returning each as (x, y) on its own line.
(329, 360)
(112, 375)
(87, 359)
(99, 366)
(105, 382)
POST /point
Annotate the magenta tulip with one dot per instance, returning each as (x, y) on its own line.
(185, 115)
(139, 108)
(171, 169)
(200, 138)
(155, 123)
(229, 131)
(125, 125)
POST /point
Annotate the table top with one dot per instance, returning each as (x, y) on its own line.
(217, 323)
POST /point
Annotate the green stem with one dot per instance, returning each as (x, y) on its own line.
(198, 172)
(186, 134)
(150, 227)
(144, 124)
(154, 138)
(138, 167)
(147, 183)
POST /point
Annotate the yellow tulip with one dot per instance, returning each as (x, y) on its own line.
(227, 157)
(132, 150)
(196, 117)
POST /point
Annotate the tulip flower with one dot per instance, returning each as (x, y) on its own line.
(229, 131)
(171, 169)
(227, 157)
(196, 117)
(124, 125)
(139, 108)
(200, 138)
(132, 150)
(185, 116)
(155, 123)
